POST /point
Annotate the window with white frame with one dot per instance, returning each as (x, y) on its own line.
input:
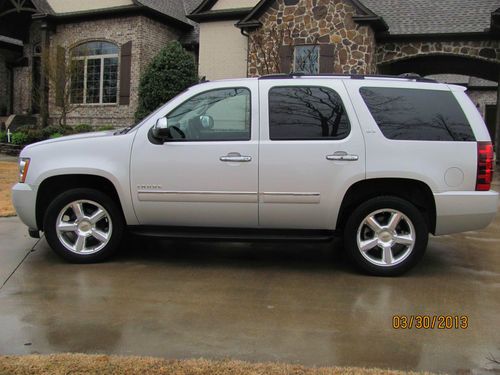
(94, 73)
(306, 59)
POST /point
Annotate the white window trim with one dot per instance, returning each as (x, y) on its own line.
(101, 78)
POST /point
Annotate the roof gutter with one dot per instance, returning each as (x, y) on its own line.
(219, 15)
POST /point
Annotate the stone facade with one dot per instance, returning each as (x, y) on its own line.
(316, 22)
(147, 37)
(488, 50)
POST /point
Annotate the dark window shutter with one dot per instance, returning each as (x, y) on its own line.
(326, 58)
(125, 66)
(60, 76)
(286, 57)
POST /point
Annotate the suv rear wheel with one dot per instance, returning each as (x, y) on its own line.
(83, 225)
(386, 236)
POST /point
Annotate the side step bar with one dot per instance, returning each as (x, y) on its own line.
(232, 234)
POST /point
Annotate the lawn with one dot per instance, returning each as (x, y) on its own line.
(8, 177)
(103, 364)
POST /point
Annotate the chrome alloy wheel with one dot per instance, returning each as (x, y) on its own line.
(386, 237)
(84, 227)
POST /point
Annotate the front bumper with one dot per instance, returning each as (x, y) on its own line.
(462, 211)
(24, 200)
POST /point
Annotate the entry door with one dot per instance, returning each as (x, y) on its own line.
(206, 175)
(311, 151)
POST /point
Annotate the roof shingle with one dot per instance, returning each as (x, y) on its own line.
(434, 16)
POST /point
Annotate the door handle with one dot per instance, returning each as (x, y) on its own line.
(342, 156)
(235, 157)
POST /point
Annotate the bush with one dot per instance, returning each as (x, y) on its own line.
(84, 128)
(3, 136)
(55, 135)
(49, 130)
(19, 138)
(35, 135)
(106, 127)
(171, 72)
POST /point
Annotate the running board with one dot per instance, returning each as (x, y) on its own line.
(232, 234)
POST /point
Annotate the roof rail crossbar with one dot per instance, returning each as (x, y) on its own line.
(405, 76)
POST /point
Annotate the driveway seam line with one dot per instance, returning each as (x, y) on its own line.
(21, 262)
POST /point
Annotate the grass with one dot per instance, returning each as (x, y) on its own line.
(103, 364)
(8, 177)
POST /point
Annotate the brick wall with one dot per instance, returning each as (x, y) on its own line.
(147, 37)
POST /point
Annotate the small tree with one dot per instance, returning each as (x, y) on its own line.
(59, 71)
(171, 72)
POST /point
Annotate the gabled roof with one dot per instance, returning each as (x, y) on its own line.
(204, 12)
(43, 6)
(174, 10)
(396, 17)
(364, 16)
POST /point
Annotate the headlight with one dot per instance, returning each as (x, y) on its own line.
(24, 164)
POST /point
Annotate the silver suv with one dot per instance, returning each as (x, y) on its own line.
(383, 161)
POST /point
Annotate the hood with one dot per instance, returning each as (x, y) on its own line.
(69, 138)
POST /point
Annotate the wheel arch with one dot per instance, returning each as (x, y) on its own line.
(52, 186)
(414, 191)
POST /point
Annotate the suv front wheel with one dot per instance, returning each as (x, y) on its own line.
(83, 225)
(386, 236)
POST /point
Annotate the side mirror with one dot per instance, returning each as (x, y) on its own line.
(207, 122)
(161, 130)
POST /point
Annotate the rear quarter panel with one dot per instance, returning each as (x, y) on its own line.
(426, 161)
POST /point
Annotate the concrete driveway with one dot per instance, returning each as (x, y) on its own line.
(298, 303)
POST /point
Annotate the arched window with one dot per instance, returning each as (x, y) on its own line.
(94, 73)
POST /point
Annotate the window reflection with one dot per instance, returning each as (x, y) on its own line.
(306, 113)
(222, 114)
(415, 114)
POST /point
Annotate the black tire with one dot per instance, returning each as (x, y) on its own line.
(73, 195)
(408, 258)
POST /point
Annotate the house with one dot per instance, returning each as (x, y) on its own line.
(109, 42)
(251, 38)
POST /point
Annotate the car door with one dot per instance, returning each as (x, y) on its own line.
(209, 176)
(311, 152)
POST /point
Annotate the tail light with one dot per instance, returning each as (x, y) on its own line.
(484, 166)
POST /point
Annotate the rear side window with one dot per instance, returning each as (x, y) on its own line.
(414, 114)
(306, 113)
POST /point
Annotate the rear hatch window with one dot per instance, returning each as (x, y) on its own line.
(417, 115)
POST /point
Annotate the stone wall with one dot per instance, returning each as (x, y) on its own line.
(318, 22)
(147, 37)
(482, 49)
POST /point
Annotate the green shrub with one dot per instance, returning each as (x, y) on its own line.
(35, 135)
(171, 72)
(49, 130)
(106, 127)
(3, 136)
(84, 128)
(19, 138)
(55, 135)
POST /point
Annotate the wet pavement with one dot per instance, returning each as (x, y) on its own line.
(298, 303)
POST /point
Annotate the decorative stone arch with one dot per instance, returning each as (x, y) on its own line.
(440, 63)
(481, 50)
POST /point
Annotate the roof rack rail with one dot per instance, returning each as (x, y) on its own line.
(406, 76)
